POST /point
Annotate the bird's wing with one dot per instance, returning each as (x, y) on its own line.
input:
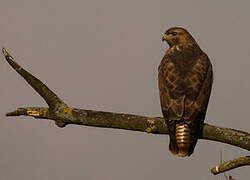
(184, 97)
(199, 84)
(172, 102)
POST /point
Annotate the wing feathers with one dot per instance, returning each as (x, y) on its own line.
(185, 85)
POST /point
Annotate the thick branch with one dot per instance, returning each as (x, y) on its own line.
(63, 115)
(96, 118)
(232, 164)
(154, 125)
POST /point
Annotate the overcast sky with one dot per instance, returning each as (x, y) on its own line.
(104, 55)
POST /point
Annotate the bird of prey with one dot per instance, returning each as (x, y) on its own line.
(185, 81)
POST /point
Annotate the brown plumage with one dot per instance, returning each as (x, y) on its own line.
(185, 81)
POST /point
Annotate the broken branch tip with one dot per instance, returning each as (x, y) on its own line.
(4, 51)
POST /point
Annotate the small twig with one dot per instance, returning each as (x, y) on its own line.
(225, 175)
(63, 115)
(232, 164)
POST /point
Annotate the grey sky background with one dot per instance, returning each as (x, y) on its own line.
(104, 55)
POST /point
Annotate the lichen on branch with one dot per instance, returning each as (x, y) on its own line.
(62, 114)
(232, 164)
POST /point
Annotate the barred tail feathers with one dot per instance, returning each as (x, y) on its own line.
(183, 139)
(181, 142)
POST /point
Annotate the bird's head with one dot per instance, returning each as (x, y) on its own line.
(177, 36)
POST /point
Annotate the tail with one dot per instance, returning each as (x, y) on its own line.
(181, 141)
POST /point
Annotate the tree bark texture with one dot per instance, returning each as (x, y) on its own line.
(62, 114)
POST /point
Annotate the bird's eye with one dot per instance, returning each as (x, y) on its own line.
(174, 33)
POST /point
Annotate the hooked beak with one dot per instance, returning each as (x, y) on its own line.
(166, 37)
(163, 39)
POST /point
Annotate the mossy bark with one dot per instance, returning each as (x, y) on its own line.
(62, 114)
(232, 164)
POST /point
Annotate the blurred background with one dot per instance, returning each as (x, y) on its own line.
(104, 55)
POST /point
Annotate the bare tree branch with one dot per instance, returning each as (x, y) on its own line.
(49, 96)
(63, 115)
(232, 164)
(224, 173)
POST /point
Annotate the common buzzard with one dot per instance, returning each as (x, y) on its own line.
(185, 81)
